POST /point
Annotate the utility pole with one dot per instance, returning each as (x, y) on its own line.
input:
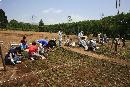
(118, 4)
(1, 55)
(33, 18)
(103, 26)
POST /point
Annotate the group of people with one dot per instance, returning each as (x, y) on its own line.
(102, 38)
(117, 42)
(38, 48)
(82, 42)
(35, 50)
(85, 43)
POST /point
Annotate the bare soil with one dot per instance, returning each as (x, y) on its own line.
(26, 74)
(99, 57)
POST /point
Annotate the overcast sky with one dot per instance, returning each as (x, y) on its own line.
(57, 11)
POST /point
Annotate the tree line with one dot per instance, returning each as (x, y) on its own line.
(112, 26)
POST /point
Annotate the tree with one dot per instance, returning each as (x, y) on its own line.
(41, 23)
(41, 26)
(112, 26)
(3, 19)
(13, 24)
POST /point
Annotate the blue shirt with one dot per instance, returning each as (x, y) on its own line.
(43, 42)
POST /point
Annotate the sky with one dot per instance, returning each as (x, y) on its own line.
(57, 11)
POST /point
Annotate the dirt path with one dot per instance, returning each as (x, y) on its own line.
(97, 56)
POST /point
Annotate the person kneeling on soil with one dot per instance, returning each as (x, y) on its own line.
(33, 52)
(83, 43)
(68, 41)
(11, 57)
(92, 45)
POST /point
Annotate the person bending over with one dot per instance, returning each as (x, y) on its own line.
(33, 52)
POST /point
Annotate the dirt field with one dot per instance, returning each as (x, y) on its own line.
(15, 36)
(9, 37)
(85, 66)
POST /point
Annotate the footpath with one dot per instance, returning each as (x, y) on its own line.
(97, 56)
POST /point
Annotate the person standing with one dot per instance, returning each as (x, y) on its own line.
(79, 36)
(60, 38)
(99, 37)
(105, 38)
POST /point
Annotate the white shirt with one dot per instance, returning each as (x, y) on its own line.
(60, 35)
(80, 34)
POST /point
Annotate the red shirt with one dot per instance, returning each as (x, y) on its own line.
(33, 49)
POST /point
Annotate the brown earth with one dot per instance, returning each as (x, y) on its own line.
(15, 36)
(9, 37)
(99, 57)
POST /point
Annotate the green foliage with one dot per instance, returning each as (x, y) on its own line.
(112, 26)
(15, 25)
(41, 23)
(3, 19)
(25, 54)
